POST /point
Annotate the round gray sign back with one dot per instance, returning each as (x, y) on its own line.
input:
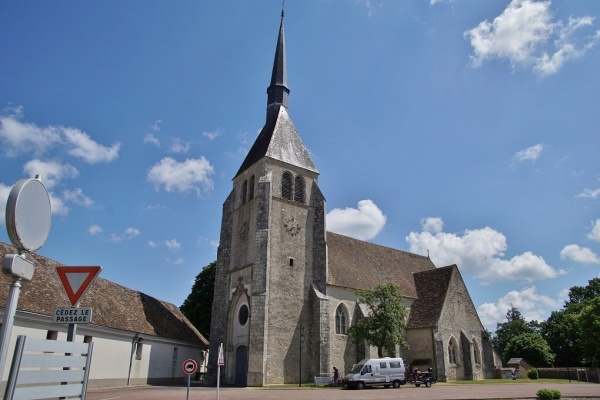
(28, 214)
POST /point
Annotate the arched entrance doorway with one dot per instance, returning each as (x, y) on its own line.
(240, 333)
(241, 366)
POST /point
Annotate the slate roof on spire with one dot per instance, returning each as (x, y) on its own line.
(278, 90)
(279, 138)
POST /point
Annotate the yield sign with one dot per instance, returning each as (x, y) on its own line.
(77, 280)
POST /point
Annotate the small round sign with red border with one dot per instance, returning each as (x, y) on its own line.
(190, 366)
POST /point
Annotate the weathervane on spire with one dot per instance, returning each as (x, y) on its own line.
(282, 7)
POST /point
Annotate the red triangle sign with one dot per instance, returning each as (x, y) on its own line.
(77, 280)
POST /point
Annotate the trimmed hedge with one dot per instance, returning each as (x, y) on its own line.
(533, 374)
(548, 394)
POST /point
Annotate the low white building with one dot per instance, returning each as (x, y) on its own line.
(138, 339)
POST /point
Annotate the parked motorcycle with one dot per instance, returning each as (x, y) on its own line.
(419, 378)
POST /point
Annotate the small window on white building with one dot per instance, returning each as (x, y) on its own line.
(139, 350)
(88, 339)
(52, 335)
(175, 353)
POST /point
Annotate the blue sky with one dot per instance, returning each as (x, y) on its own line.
(466, 129)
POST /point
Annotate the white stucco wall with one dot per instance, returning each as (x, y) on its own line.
(112, 352)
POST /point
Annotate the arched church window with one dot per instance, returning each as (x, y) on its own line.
(476, 353)
(340, 320)
(286, 186)
(243, 315)
(251, 188)
(244, 191)
(452, 351)
(299, 189)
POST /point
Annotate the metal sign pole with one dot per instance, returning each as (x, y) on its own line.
(218, 379)
(9, 316)
(187, 396)
(220, 361)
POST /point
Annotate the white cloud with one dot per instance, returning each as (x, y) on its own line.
(433, 225)
(370, 6)
(58, 206)
(526, 35)
(4, 192)
(87, 149)
(76, 196)
(190, 175)
(150, 138)
(363, 223)
(479, 252)
(589, 193)
(152, 243)
(579, 254)
(20, 137)
(156, 125)
(532, 305)
(595, 232)
(177, 261)
(213, 135)
(178, 147)
(129, 234)
(173, 244)
(529, 154)
(95, 230)
(50, 172)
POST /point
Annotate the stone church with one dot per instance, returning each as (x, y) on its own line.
(285, 287)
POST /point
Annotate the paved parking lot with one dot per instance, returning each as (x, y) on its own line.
(439, 391)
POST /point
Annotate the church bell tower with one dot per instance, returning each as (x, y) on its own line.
(272, 258)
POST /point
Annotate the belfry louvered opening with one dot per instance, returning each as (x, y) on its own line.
(286, 186)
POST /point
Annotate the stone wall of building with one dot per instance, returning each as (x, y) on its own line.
(460, 322)
(218, 325)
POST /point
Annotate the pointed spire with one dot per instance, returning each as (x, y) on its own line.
(278, 91)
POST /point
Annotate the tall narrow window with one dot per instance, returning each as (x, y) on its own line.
(476, 352)
(286, 186)
(299, 189)
(244, 191)
(340, 320)
(139, 350)
(251, 188)
(452, 352)
(175, 353)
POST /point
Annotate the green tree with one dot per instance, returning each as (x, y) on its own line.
(564, 330)
(530, 346)
(198, 305)
(589, 322)
(579, 295)
(385, 327)
(561, 331)
(515, 325)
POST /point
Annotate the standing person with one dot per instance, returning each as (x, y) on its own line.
(336, 376)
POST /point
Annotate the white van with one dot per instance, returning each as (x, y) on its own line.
(384, 372)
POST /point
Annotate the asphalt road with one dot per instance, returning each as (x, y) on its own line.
(439, 391)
